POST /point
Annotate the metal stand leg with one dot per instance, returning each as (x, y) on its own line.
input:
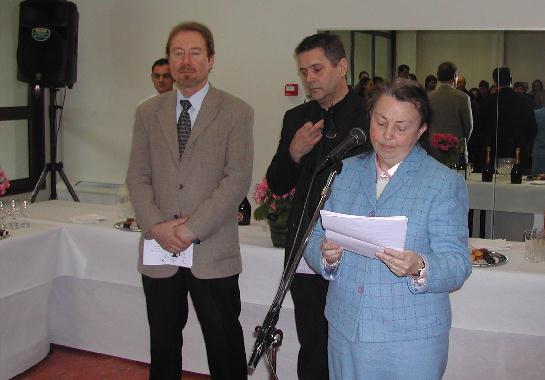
(66, 182)
(40, 183)
(53, 166)
(272, 350)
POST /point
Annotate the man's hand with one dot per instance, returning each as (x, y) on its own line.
(165, 234)
(304, 140)
(184, 233)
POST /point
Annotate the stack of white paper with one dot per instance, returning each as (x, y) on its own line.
(365, 235)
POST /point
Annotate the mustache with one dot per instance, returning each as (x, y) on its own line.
(186, 69)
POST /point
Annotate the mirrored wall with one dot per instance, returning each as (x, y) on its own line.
(505, 116)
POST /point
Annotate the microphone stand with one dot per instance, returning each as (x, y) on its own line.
(268, 336)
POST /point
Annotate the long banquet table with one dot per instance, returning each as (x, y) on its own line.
(77, 285)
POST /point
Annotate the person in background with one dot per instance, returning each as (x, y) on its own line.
(493, 90)
(518, 88)
(538, 149)
(413, 77)
(430, 83)
(508, 118)
(379, 82)
(309, 132)
(403, 71)
(538, 94)
(461, 85)
(451, 109)
(365, 87)
(379, 326)
(363, 75)
(189, 169)
(484, 88)
(160, 76)
(474, 91)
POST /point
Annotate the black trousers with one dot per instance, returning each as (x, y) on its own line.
(217, 304)
(309, 295)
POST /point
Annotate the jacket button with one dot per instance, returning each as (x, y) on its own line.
(360, 289)
(372, 213)
(181, 186)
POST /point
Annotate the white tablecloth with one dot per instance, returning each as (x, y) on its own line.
(501, 195)
(77, 285)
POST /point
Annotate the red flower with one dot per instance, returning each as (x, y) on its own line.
(444, 141)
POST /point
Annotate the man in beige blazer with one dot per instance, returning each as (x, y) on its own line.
(451, 108)
(186, 185)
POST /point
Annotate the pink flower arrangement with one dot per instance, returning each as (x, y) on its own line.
(272, 206)
(4, 183)
(446, 147)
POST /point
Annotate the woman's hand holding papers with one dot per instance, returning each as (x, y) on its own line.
(401, 263)
(331, 252)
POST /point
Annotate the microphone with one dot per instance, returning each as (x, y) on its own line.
(356, 137)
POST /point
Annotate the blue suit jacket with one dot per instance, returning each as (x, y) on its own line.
(366, 301)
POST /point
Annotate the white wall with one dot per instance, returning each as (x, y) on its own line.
(13, 134)
(119, 39)
(519, 46)
(475, 53)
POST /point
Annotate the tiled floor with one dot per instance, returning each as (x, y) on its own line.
(65, 363)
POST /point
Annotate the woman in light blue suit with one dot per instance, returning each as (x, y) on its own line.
(389, 318)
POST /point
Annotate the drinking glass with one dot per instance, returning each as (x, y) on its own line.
(13, 212)
(24, 209)
(504, 166)
(534, 244)
(3, 214)
(469, 170)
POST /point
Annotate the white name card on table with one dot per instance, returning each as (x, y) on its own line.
(154, 254)
(365, 235)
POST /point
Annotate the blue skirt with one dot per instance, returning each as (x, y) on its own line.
(422, 359)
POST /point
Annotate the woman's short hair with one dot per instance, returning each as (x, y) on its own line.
(404, 90)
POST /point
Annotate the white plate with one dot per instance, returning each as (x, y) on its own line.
(119, 226)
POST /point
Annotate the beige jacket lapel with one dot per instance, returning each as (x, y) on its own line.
(167, 120)
(208, 112)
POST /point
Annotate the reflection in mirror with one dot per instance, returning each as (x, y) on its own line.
(14, 154)
(514, 119)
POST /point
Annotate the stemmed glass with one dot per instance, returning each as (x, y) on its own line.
(13, 211)
(3, 214)
(24, 209)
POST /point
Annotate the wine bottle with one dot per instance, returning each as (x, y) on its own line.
(516, 172)
(461, 168)
(488, 169)
(244, 212)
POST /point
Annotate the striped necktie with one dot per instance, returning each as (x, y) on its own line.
(183, 126)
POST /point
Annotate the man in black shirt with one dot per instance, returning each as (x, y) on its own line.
(310, 131)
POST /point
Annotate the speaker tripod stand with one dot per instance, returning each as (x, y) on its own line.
(53, 166)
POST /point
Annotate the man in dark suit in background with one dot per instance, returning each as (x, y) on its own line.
(309, 132)
(510, 117)
(190, 166)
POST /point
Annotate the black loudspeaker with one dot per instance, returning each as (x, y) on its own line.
(47, 52)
